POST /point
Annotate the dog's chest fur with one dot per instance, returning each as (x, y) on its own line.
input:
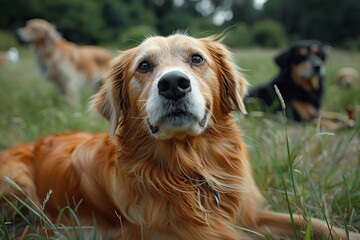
(171, 188)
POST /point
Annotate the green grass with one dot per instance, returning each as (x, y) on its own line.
(295, 165)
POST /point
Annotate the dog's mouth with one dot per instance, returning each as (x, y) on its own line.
(318, 70)
(179, 121)
(153, 129)
(309, 74)
(204, 121)
(312, 77)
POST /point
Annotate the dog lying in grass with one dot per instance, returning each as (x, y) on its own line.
(301, 85)
(64, 63)
(174, 165)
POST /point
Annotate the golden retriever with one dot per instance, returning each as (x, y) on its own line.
(64, 63)
(174, 165)
(347, 77)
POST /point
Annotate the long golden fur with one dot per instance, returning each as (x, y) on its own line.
(174, 165)
(64, 63)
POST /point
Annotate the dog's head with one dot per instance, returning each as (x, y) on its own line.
(176, 86)
(306, 62)
(347, 77)
(37, 30)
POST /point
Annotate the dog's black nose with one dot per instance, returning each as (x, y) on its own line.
(174, 85)
(317, 68)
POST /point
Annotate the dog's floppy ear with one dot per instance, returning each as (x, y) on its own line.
(112, 100)
(233, 85)
(53, 32)
(282, 59)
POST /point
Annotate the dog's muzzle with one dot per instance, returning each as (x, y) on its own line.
(21, 37)
(176, 105)
(317, 68)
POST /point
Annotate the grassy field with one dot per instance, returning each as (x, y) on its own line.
(319, 169)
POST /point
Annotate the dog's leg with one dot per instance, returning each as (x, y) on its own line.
(344, 120)
(280, 225)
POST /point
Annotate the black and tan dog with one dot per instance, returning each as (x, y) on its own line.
(300, 81)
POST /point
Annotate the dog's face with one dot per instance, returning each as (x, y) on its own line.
(175, 85)
(36, 30)
(305, 60)
(347, 77)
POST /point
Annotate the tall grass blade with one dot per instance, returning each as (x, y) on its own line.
(308, 231)
(283, 106)
(291, 167)
(17, 210)
(33, 208)
(289, 207)
(248, 230)
(346, 227)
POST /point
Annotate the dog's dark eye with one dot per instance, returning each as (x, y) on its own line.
(196, 59)
(144, 67)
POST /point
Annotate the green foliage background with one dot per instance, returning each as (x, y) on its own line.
(278, 22)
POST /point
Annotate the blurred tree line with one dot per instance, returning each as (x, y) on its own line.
(127, 21)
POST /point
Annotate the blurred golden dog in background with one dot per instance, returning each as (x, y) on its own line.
(347, 77)
(64, 63)
(176, 166)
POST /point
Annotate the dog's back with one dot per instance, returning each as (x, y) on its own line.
(88, 62)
